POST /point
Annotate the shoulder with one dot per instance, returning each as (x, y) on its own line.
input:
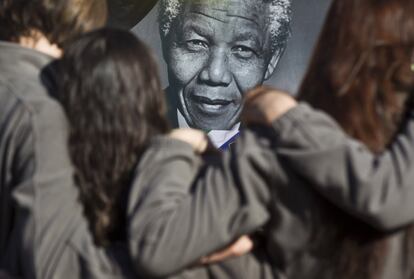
(29, 101)
(34, 123)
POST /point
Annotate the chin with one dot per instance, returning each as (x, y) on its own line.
(211, 120)
(212, 124)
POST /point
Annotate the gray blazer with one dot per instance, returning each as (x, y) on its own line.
(375, 188)
(181, 210)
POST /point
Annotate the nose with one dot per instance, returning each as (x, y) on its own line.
(216, 71)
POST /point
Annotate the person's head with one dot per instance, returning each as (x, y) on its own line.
(56, 20)
(362, 66)
(362, 75)
(113, 98)
(217, 50)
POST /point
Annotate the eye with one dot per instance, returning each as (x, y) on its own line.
(243, 51)
(196, 45)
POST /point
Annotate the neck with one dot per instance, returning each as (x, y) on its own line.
(41, 43)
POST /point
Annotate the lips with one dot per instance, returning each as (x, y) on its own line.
(208, 104)
(211, 108)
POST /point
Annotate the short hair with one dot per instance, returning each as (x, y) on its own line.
(57, 20)
(279, 19)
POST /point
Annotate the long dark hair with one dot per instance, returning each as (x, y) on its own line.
(361, 74)
(115, 104)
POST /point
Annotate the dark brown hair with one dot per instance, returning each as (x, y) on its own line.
(58, 20)
(115, 104)
(361, 75)
(361, 64)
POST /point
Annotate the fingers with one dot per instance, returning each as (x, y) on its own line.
(264, 105)
(196, 138)
(256, 92)
(240, 247)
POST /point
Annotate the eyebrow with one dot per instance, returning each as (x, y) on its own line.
(201, 30)
(249, 36)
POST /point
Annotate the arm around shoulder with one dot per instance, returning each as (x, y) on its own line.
(374, 188)
(181, 210)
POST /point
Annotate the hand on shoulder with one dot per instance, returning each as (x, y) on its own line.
(264, 105)
(196, 138)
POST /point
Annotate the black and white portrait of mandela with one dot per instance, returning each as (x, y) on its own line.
(215, 51)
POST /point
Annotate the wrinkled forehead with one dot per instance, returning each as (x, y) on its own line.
(255, 11)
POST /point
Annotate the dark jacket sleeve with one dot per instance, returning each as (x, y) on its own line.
(180, 211)
(375, 188)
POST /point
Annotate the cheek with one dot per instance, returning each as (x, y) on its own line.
(185, 66)
(248, 74)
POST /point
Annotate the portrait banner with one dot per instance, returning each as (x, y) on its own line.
(211, 52)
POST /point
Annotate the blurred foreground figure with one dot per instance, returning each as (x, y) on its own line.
(36, 185)
(362, 75)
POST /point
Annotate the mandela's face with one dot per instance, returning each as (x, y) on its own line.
(216, 52)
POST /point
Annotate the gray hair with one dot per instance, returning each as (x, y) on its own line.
(279, 19)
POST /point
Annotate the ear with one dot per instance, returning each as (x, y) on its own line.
(273, 63)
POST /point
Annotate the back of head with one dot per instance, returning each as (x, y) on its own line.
(361, 74)
(115, 105)
(57, 20)
(361, 69)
